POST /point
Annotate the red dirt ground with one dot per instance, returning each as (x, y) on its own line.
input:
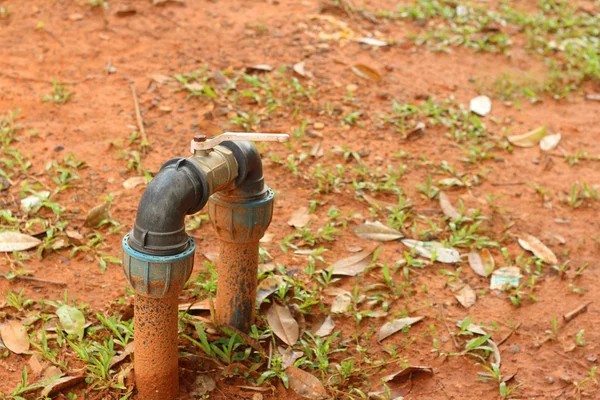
(220, 34)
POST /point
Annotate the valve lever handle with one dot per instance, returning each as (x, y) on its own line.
(238, 136)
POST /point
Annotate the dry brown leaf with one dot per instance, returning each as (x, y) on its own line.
(353, 265)
(220, 80)
(550, 142)
(466, 296)
(378, 203)
(528, 139)
(366, 72)
(326, 327)
(61, 384)
(161, 79)
(35, 364)
(447, 208)
(283, 325)
(267, 287)
(539, 249)
(299, 218)
(389, 328)
(50, 372)
(134, 182)
(125, 10)
(259, 68)
(341, 303)
(299, 69)
(97, 215)
(203, 305)
(483, 264)
(75, 17)
(14, 336)
(211, 256)
(203, 384)
(129, 349)
(305, 384)
(288, 356)
(372, 42)
(17, 241)
(317, 150)
(377, 231)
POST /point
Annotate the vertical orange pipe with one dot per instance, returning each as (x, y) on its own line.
(155, 355)
(237, 268)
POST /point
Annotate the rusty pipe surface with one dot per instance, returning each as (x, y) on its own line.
(237, 269)
(155, 357)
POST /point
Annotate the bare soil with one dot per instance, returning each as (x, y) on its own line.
(223, 35)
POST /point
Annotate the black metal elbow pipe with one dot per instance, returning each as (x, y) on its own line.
(250, 180)
(180, 188)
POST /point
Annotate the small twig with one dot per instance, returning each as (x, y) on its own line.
(448, 329)
(573, 314)
(138, 115)
(505, 338)
(23, 78)
(33, 279)
(507, 183)
(53, 36)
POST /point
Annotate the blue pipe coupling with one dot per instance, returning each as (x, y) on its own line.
(157, 276)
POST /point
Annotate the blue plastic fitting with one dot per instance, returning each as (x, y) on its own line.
(157, 276)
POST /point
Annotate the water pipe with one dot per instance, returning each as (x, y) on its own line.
(226, 173)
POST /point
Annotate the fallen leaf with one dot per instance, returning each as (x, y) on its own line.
(35, 364)
(378, 203)
(539, 249)
(496, 352)
(299, 218)
(326, 327)
(353, 265)
(466, 296)
(407, 371)
(74, 235)
(449, 182)
(221, 80)
(14, 336)
(550, 142)
(317, 150)
(377, 231)
(97, 215)
(593, 96)
(528, 139)
(283, 325)
(267, 287)
(203, 305)
(203, 384)
(259, 68)
(30, 202)
(125, 10)
(72, 320)
(17, 241)
(288, 356)
(415, 133)
(389, 328)
(481, 105)
(299, 69)
(399, 384)
(341, 303)
(372, 42)
(366, 72)
(505, 277)
(483, 264)
(75, 17)
(305, 384)
(51, 372)
(161, 79)
(433, 249)
(211, 256)
(447, 208)
(61, 384)
(129, 349)
(134, 182)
